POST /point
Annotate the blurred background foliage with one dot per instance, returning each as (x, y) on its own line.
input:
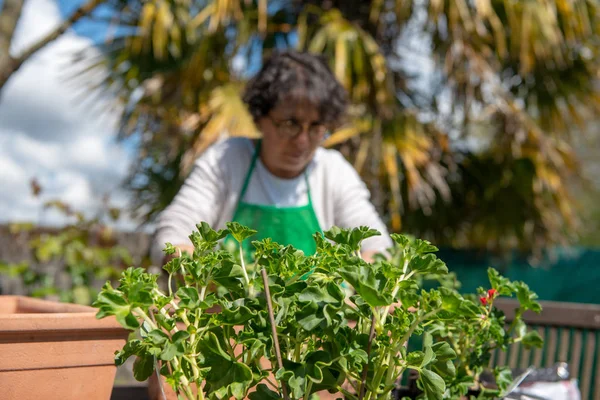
(464, 112)
(68, 264)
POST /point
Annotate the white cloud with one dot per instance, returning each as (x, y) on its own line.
(38, 18)
(46, 133)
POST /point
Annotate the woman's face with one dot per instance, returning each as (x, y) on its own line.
(292, 132)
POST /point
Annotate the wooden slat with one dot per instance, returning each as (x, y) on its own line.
(537, 356)
(563, 348)
(493, 359)
(514, 355)
(597, 384)
(572, 315)
(575, 354)
(551, 347)
(588, 359)
(502, 358)
(525, 356)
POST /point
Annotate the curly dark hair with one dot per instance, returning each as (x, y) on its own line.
(289, 71)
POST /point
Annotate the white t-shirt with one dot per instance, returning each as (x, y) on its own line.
(211, 192)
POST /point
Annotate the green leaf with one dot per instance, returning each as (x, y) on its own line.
(139, 294)
(468, 309)
(316, 368)
(428, 264)
(423, 246)
(444, 368)
(415, 358)
(500, 283)
(188, 297)
(158, 337)
(226, 377)
(236, 316)
(366, 280)
(228, 274)
(323, 245)
(169, 249)
(255, 350)
(172, 350)
(527, 298)
(408, 298)
(443, 351)
(263, 393)
(239, 232)
(143, 367)
(111, 302)
(307, 317)
(179, 336)
(209, 234)
(451, 300)
(131, 348)
(520, 328)
(402, 240)
(173, 266)
(503, 377)
(532, 339)
(350, 237)
(319, 294)
(433, 384)
(428, 357)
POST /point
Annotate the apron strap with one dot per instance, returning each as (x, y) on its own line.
(251, 169)
(310, 203)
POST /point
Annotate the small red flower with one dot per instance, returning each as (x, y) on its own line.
(492, 293)
(483, 300)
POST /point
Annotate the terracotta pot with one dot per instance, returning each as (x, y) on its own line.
(56, 351)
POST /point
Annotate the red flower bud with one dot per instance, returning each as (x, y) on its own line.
(492, 293)
(483, 300)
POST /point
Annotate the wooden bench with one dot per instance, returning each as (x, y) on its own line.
(571, 334)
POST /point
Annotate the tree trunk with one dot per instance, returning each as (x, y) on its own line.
(9, 65)
(9, 15)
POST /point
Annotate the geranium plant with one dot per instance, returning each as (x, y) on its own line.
(283, 326)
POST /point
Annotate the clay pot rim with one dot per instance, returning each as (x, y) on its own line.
(39, 317)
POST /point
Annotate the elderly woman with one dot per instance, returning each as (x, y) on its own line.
(286, 186)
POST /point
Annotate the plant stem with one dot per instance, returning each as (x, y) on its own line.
(274, 385)
(183, 379)
(297, 348)
(414, 326)
(145, 316)
(363, 380)
(273, 329)
(380, 370)
(308, 390)
(246, 278)
(347, 394)
(391, 375)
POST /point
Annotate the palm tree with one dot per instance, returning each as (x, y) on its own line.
(479, 157)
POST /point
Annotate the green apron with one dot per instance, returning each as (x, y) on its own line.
(285, 225)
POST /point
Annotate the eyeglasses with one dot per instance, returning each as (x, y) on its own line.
(290, 129)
